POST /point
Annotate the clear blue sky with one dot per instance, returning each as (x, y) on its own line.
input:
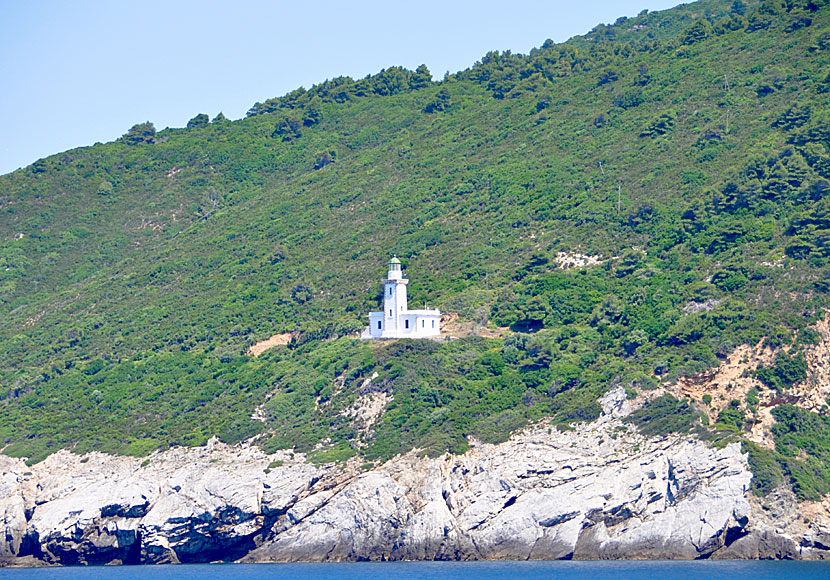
(80, 71)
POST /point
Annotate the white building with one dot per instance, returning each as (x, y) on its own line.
(396, 320)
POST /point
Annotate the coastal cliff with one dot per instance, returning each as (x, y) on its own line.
(600, 491)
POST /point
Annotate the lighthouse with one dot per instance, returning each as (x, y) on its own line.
(396, 320)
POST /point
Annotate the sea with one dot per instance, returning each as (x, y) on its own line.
(559, 570)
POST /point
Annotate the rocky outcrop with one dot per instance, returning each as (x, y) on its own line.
(598, 491)
(762, 544)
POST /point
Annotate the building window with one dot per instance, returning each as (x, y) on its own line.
(422, 324)
(390, 291)
(390, 312)
(406, 323)
(433, 324)
(380, 325)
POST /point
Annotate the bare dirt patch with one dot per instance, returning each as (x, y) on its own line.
(727, 382)
(812, 393)
(268, 343)
(731, 381)
(453, 326)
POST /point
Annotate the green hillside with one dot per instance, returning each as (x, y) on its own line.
(688, 149)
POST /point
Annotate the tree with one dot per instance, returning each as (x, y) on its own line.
(777, 183)
(200, 120)
(312, 113)
(390, 81)
(420, 78)
(785, 372)
(628, 99)
(214, 197)
(294, 99)
(796, 116)
(823, 86)
(104, 188)
(608, 76)
(738, 8)
(697, 32)
(659, 126)
(726, 236)
(140, 133)
(288, 129)
(635, 339)
(818, 190)
(729, 281)
(324, 158)
(817, 158)
(533, 84)
(797, 169)
(440, 102)
(772, 7)
(301, 294)
(643, 78)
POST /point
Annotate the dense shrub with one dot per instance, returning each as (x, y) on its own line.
(665, 414)
(785, 371)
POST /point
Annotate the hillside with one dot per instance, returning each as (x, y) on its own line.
(686, 150)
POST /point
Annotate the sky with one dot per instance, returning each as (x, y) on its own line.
(75, 73)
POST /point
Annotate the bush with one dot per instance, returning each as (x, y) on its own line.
(665, 414)
(802, 440)
(729, 281)
(497, 428)
(732, 415)
(766, 468)
(628, 99)
(785, 372)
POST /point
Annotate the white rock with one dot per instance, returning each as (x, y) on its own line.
(598, 491)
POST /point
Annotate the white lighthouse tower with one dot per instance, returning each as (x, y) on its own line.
(396, 320)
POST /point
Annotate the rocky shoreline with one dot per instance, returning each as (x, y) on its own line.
(600, 491)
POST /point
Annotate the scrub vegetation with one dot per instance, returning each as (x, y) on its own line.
(688, 149)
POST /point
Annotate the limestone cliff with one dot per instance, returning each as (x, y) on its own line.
(599, 491)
